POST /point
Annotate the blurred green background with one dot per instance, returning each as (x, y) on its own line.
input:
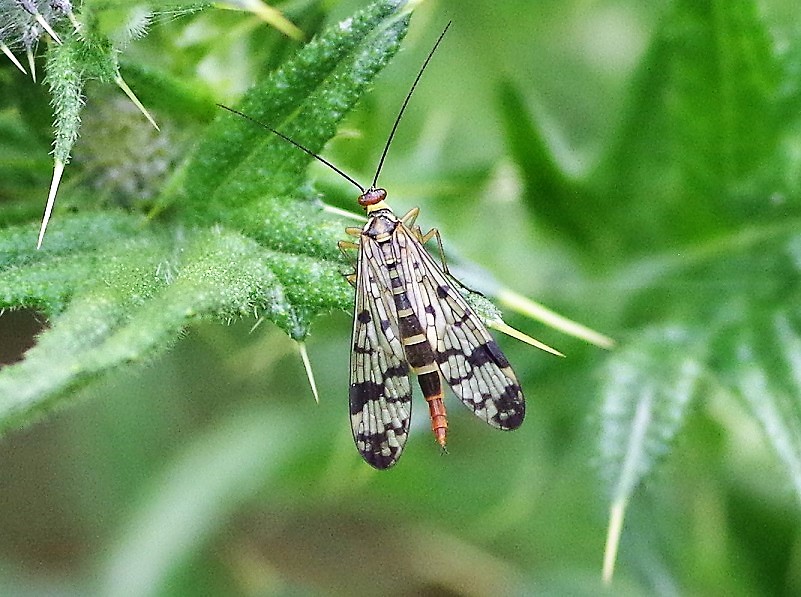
(633, 166)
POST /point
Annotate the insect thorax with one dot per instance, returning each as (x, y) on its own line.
(381, 224)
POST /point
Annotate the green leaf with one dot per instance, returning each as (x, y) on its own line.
(690, 184)
(763, 366)
(120, 288)
(550, 191)
(647, 389)
(703, 129)
(168, 95)
(242, 167)
(703, 125)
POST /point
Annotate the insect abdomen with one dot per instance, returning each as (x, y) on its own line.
(419, 354)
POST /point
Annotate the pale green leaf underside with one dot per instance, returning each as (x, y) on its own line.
(647, 388)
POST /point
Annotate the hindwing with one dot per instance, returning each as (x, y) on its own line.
(468, 357)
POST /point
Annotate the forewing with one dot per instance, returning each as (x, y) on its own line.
(469, 359)
(380, 394)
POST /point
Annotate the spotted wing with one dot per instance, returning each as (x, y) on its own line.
(469, 359)
(380, 394)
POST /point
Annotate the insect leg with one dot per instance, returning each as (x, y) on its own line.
(344, 246)
(424, 238)
(409, 219)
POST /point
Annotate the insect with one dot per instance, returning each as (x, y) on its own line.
(410, 318)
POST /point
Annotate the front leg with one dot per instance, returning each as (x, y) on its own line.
(344, 246)
(349, 245)
(408, 221)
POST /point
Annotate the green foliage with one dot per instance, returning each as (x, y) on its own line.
(691, 209)
(245, 241)
(654, 196)
(647, 388)
(701, 149)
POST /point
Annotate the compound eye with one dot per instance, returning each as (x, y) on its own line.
(372, 196)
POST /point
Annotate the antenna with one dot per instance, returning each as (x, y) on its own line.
(389, 139)
(405, 103)
(298, 145)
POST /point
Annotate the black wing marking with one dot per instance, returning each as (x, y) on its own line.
(380, 393)
(469, 359)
